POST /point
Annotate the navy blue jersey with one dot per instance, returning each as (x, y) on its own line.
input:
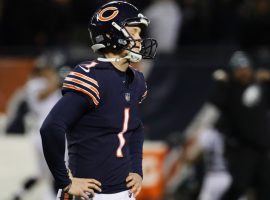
(105, 140)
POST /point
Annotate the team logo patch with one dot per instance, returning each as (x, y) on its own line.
(127, 97)
(102, 15)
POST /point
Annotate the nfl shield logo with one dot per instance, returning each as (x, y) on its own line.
(127, 97)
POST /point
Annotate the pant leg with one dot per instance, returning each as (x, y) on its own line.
(214, 185)
(241, 165)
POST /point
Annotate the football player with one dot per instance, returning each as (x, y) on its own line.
(99, 112)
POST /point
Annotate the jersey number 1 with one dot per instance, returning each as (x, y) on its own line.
(120, 135)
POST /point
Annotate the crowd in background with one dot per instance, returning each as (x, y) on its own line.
(45, 23)
(61, 22)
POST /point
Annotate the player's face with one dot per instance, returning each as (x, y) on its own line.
(135, 32)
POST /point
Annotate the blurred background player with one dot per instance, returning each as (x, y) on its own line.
(205, 143)
(237, 109)
(99, 113)
(41, 92)
(243, 99)
(216, 178)
(240, 103)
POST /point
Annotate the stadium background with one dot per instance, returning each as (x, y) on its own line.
(179, 80)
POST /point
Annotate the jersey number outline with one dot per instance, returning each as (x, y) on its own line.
(120, 135)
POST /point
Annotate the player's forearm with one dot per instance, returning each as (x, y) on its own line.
(53, 141)
(62, 117)
(136, 150)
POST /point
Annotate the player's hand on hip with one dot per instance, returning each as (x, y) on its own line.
(134, 181)
(84, 188)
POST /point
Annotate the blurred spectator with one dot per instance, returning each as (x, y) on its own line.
(140, 4)
(166, 20)
(80, 12)
(18, 108)
(210, 22)
(255, 26)
(195, 27)
(61, 22)
(35, 22)
(42, 92)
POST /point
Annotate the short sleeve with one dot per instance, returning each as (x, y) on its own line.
(82, 80)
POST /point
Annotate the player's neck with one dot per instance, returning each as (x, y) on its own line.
(121, 65)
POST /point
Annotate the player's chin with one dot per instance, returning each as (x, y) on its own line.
(136, 49)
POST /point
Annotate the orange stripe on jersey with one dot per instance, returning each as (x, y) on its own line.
(83, 84)
(65, 85)
(84, 77)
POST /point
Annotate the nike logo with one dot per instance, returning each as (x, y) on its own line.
(87, 67)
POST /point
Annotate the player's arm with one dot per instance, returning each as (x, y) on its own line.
(81, 93)
(68, 110)
(63, 115)
(136, 150)
(134, 179)
(137, 137)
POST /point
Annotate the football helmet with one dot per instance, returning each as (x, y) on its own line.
(108, 33)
